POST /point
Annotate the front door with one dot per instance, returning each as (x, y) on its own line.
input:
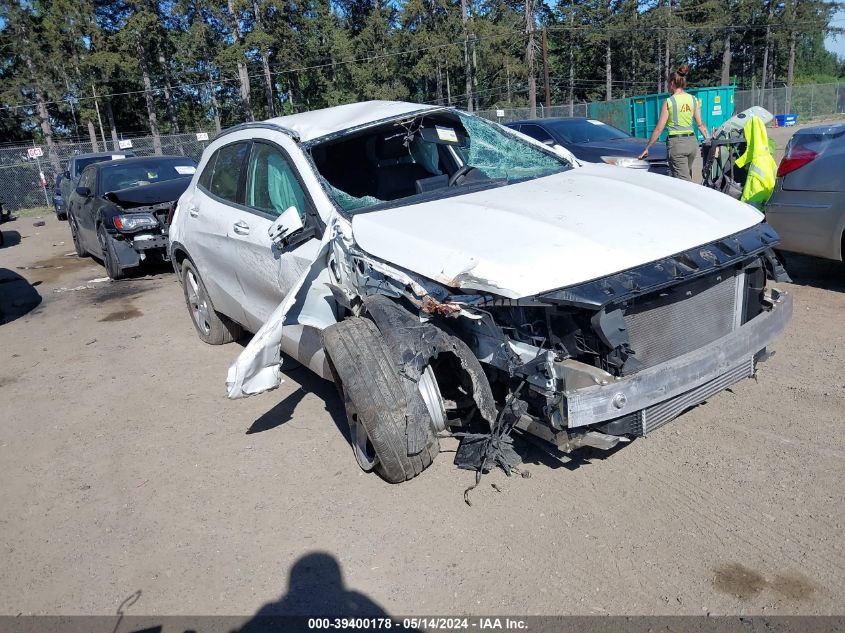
(264, 271)
(84, 210)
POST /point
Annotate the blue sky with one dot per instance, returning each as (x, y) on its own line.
(837, 46)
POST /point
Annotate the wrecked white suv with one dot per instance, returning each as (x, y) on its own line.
(451, 275)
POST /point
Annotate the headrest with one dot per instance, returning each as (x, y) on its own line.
(391, 148)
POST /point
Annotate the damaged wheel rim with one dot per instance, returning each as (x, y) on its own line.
(199, 306)
(365, 454)
(430, 393)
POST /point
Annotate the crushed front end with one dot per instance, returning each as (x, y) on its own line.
(622, 355)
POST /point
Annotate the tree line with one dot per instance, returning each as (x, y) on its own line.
(71, 68)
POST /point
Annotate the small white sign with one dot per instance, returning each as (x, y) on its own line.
(202, 136)
(34, 152)
(446, 134)
(127, 144)
(185, 170)
(717, 110)
(500, 113)
(117, 156)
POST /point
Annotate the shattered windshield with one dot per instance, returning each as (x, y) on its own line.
(429, 156)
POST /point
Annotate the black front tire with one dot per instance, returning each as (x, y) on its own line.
(375, 401)
(113, 268)
(212, 327)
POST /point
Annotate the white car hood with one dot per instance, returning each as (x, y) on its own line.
(551, 232)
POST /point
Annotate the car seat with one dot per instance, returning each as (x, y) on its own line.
(396, 173)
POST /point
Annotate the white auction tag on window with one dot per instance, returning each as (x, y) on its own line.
(446, 134)
(185, 169)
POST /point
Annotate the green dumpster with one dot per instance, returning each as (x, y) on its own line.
(717, 106)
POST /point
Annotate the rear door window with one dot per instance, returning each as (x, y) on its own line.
(227, 172)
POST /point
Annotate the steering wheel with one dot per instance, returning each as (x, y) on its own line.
(459, 175)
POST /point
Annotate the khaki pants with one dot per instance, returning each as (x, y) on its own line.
(682, 151)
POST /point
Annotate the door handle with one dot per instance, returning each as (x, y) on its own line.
(193, 211)
(241, 228)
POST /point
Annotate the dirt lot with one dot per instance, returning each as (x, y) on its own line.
(126, 470)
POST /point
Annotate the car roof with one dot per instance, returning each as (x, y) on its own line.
(318, 123)
(98, 155)
(138, 159)
(551, 119)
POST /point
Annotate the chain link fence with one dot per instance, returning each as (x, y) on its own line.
(809, 102)
(28, 180)
(518, 114)
(22, 186)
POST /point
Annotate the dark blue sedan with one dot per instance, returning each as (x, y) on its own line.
(592, 141)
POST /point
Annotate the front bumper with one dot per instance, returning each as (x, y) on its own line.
(643, 401)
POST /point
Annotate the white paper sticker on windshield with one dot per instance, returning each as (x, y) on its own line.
(597, 122)
(117, 156)
(185, 169)
(446, 134)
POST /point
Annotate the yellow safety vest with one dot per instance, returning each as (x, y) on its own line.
(681, 112)
(762, 168)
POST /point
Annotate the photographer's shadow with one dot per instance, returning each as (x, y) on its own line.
(315, 590)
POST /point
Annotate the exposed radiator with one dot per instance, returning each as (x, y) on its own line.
(684, 318)
(655, 416)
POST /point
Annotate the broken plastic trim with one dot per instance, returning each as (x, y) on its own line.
(669, 271)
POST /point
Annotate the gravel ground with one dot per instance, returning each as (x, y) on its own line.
(127, 470)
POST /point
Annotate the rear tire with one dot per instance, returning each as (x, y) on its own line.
(371, 389)
(113, 268)
(213, 328)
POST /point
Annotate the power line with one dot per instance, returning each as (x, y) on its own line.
(372, 58)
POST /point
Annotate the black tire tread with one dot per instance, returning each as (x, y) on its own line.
(80, 250)
(370, 379)
(113, 267)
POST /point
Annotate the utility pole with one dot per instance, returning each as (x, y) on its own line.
(529, 59)
(99, 119)
(546, 71)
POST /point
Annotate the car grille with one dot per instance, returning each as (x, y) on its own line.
(647, 420)
(683, 319)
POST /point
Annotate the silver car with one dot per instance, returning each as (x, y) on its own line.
(807, 207)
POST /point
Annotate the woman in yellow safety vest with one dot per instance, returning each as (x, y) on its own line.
(678, 112)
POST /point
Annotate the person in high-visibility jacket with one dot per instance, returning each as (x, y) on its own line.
(677, 115)
(761, 166)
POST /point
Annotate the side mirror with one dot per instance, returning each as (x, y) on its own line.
(85, 192)
(549, 142)
(285, 226)
(66, 175)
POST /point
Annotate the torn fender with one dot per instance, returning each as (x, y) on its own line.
(257, 368)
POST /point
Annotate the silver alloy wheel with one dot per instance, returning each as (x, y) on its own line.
(365, 454)
(430, 393)
(198, 304)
